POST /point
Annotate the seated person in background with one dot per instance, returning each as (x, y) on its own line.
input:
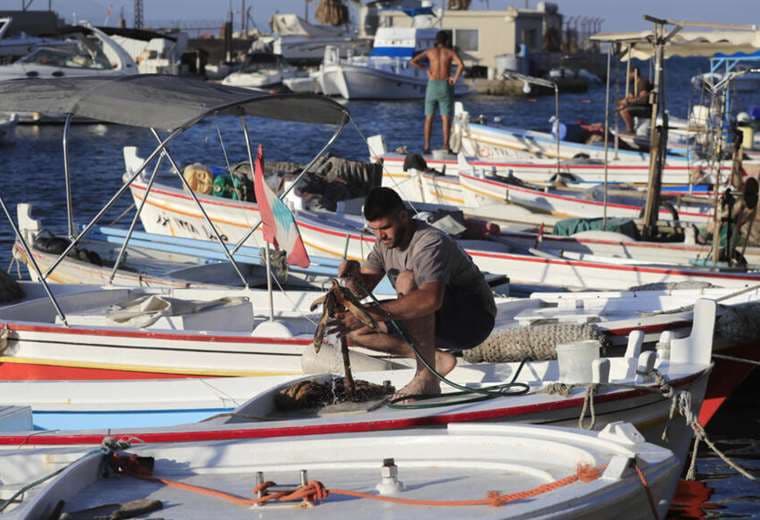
(636, 104)
(443, 299)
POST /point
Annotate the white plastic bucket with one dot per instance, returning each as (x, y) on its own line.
(575, 359)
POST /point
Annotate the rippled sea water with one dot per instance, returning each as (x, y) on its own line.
(31, 170)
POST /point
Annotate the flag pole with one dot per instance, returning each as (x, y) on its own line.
(266, 251)
(269, 281)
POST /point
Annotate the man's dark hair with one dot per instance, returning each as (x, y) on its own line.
(442, 38)
(382, 202)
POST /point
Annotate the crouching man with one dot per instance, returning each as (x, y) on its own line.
(443, 303)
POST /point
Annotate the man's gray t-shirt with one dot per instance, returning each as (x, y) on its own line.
(432, 256)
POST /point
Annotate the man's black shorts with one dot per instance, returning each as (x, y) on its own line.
(462, 322)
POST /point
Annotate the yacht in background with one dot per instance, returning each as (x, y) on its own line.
(153, 52)
(303, 43)
(386, 73)
(90, 53)
(15, 47)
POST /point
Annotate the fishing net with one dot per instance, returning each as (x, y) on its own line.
(538, 342)
(738, 324)
(314, 394)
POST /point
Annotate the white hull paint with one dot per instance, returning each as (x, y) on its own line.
(443, 465)
(364, 82)
(169, 211)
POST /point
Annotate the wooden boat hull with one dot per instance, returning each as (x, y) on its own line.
(170, 211)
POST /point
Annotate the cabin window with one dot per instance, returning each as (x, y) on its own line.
(466, 39)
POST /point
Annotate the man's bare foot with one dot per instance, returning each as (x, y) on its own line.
(423, 383)
(444, 362)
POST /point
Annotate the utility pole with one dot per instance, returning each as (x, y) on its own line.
(138, 14)
(243, 20)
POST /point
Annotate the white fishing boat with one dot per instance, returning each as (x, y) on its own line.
(171, 211)
(150, 260)
(478, 193)
(533, 156)
(477, 189)
(545, 170)
(386, 72)
(260, 70)
(639, 387)
(568, 474)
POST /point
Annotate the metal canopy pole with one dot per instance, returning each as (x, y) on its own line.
(556, 115)
(34, 262)
(132, 224)
(606, 135)
(224, 150)
(203, 211)
(67, 179)
(293, 184)
(267, 258)
(113, 199)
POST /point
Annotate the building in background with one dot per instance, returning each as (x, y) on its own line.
(492, 40)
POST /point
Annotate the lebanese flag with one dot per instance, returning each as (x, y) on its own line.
(279, 226)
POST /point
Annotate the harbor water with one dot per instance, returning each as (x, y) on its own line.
(32, 171)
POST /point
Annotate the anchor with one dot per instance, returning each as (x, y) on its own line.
(340, 299)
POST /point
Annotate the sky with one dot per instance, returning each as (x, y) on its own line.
(618, 15)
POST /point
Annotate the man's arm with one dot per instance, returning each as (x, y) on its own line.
(361, 279)
(423, 301)
(417, 60)
(460, 67)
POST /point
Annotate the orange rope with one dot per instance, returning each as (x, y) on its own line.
(647, 489)
(584, 473)
(314, 492)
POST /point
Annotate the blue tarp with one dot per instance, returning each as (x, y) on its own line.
(402, 52)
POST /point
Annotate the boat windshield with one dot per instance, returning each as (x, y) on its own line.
(256, 61)
(69, 58)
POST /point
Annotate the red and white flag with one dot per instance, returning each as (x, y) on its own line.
(279, 225)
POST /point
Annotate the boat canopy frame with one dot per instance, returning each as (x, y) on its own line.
(122, 101)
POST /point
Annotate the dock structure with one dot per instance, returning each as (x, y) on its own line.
(511, 87)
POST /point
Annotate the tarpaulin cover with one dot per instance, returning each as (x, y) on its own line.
(159, 101)
(571, 226)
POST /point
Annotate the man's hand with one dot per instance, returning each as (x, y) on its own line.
(349, 269)
(343, 323)
(452, 81)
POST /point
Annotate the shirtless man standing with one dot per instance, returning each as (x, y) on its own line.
(440, 87)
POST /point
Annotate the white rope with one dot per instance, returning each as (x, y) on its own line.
(293, 303)
(588, 404)
(4, 333)
(682, 403)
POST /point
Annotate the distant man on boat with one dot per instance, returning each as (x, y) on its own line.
(636, 104)
(443, 304)
(440, 86)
